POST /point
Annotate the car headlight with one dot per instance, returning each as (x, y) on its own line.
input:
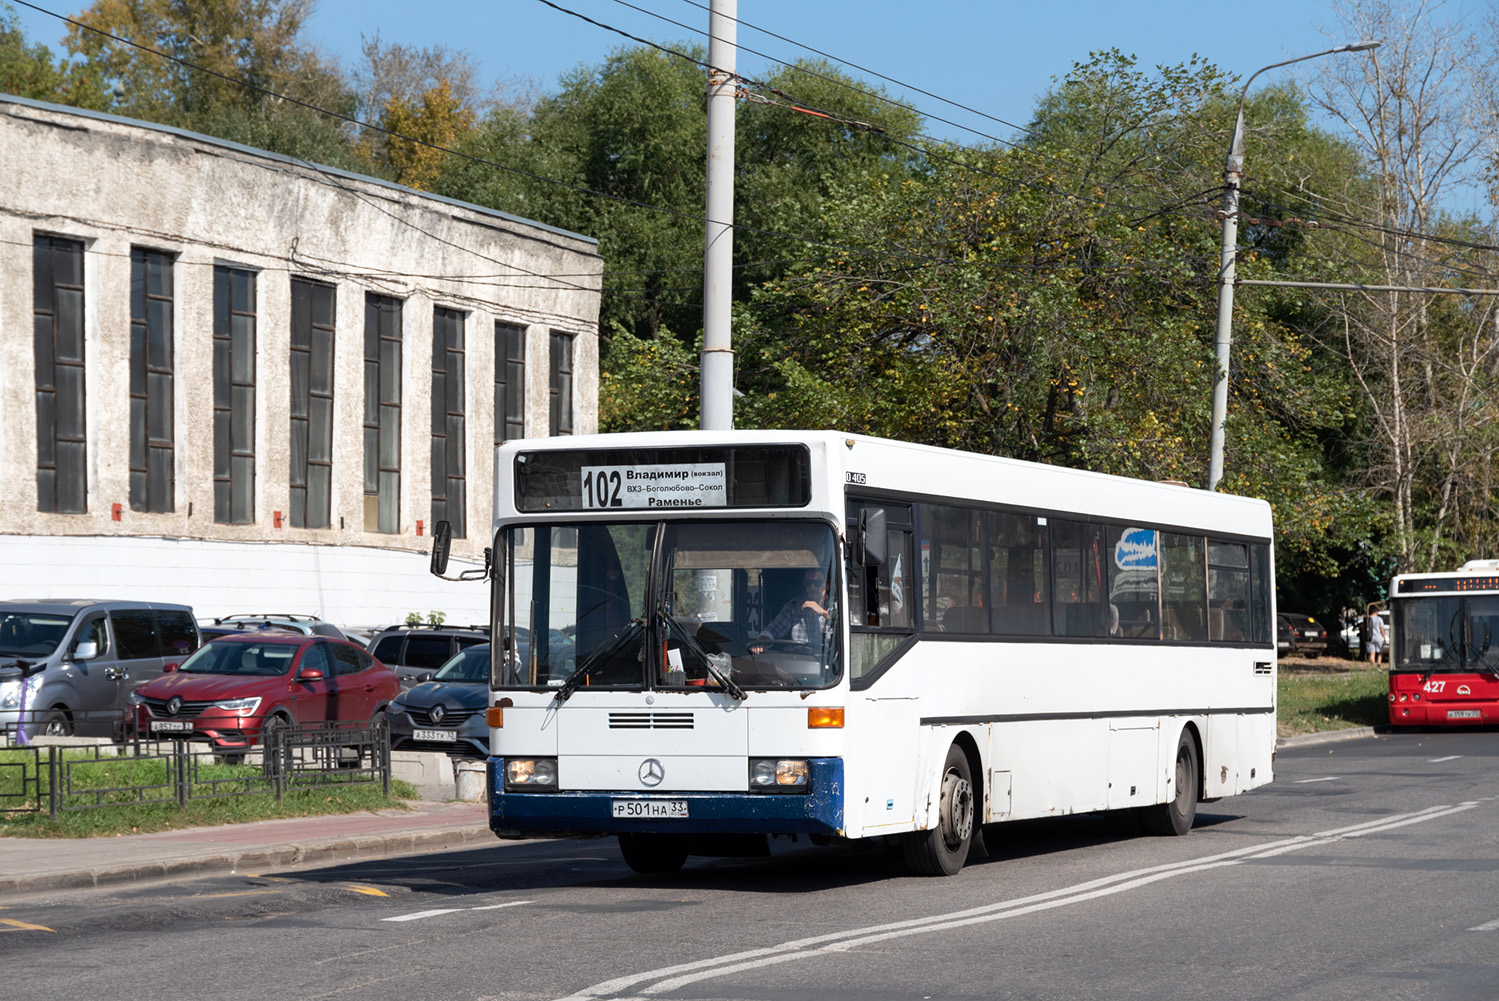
(246, 706)
(135, 699)
(394, 709)
(531, 774)
(10, 694)
(778, 774)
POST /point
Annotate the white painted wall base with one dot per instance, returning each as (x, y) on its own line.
(345, 585)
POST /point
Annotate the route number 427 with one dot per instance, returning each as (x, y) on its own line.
(1433, 686)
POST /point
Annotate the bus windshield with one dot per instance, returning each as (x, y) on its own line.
(1447, 633)
(734, 605)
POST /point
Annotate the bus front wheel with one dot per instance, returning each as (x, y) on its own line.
(1175, 816)
(943, 850)
(653, 854)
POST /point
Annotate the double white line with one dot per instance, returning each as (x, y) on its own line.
(673, 978)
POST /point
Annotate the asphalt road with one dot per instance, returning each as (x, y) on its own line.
(1369, 869)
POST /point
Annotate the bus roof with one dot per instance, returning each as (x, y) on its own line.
(884, 466)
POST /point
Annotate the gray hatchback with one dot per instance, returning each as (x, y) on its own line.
(68, 666)
(446, 713)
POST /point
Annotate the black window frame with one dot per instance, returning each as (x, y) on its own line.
(152, 381)
(449, 421)
(60, 349)
(560, 383)
(509, 382)
(234, 394)
(314, 331)
(383, 348)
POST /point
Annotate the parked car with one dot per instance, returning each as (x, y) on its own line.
(307, 625)
(446, 713)
(414, 652)
(70, 665)
(236, 687)
(1283, 640)
(1308, 638)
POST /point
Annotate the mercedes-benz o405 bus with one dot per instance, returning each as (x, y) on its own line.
(706, 638)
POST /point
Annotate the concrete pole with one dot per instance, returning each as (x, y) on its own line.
(718, 233)
(1232, 171)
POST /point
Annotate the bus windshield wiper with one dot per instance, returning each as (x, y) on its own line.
(597, 658)
(692, 644)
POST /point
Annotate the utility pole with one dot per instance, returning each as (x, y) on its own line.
(1233, 169)
(717, 362)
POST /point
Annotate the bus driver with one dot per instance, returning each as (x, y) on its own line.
(801, 618)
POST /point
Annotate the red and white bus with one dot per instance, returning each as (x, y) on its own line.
(1444, 651)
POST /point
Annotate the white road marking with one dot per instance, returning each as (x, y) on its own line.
(1325, 778)
(418, 915)
(1450, 757)
(672, 978)
(1491, 926)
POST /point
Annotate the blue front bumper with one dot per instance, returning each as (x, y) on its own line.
(819, 811)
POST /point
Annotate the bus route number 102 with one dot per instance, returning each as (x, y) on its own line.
(601, 489)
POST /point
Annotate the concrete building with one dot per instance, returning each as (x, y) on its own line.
(251, 384)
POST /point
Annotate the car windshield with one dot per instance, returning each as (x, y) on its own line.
(31, 634)
(730, 605)
(1447, 633)
(469, 667)
(237, 657)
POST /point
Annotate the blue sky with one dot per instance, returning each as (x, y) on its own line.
(994, 57)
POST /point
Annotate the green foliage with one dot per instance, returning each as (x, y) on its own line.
(413, 618)
(32, 71)
(436, 618)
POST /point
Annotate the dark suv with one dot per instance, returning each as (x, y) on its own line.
(1308, 638)
(414, 652)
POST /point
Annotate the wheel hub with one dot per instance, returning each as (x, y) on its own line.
(957, 809)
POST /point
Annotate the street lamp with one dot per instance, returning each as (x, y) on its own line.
(1233, 168)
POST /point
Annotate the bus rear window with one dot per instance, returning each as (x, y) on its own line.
(663, 479)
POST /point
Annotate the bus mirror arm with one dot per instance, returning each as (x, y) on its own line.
(442, 541)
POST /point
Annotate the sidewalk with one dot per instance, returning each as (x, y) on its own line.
(34, 865)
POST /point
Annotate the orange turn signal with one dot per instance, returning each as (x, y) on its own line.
(818, 718)
(494, 716)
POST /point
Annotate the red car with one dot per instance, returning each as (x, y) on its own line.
(235, 686)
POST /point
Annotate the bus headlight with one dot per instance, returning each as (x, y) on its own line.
(530, 774)
(778, 775)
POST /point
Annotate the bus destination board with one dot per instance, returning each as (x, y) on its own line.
(1460, 582)
(679, 485)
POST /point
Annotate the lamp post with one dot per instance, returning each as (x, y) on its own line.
(1233, 168)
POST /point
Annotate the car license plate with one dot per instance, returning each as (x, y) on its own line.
(650, 808)
(172, 725)
(441, 736)
(1464, 713)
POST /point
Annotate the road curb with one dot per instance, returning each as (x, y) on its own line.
(1329, 736)
(277, 856)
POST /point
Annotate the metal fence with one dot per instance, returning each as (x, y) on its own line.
(47, 777)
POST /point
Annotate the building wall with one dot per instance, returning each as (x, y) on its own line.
(118, 185)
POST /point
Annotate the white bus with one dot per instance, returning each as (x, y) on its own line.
(716, 637)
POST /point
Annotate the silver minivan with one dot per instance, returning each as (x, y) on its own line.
(69, 666)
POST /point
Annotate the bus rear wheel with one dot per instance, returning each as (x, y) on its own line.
(653, 854)
(943, 850)
(1175, 816)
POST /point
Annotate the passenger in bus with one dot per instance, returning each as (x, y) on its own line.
(803, 619)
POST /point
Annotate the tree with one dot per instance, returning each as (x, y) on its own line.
(29, 70)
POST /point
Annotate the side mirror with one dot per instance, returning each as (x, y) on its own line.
(86, 650)
(168, 668)
(871, 543)
(442, 541)
(310, 674)
(426, 676)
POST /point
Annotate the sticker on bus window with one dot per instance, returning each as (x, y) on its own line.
(675, 485)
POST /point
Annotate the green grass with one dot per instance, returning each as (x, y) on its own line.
(1336, 695)
(120, 785)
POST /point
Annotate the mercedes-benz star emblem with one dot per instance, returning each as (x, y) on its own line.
(174, 705)
(651, 772)
(437, 712)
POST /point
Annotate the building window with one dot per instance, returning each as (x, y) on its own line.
(448, 460)
(509, 382)
(562, 384)
(57, 309)
(382, 414)
(312, 316)
(151, 375)
(233, 395)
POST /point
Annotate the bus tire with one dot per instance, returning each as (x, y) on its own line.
(1175, 816)
(943, 850)
(653, 854)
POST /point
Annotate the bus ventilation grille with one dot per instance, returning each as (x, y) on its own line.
(650, 721)
(1262, 667)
